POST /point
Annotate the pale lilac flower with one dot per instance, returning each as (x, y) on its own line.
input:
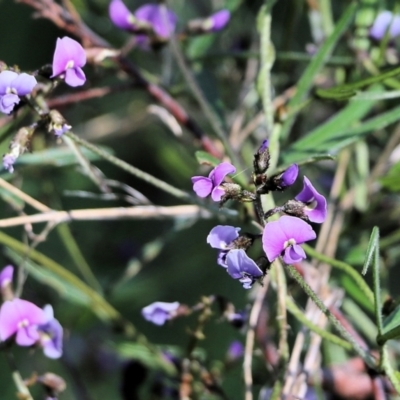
(235, 350)
(283, 238)
(315, 204)
(121, 16)
(12, 87)
(241, 266)
(69, 58)
(51, 334)
(204, 186)
(221, 236)
(22, 318)
(217, 21)
(159, 312)
(8, 162)
(163, 23)
(6, 276)
(59, 131)
(382, 23)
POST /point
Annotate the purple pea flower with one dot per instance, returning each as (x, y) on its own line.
(12, 86)
(290, 175)
(217, 21)
(316, 207)
(235, 350)
(22, 318)
(221, 236)
(284, 236)
(121, 16)
(203, 186)
(159, 312)
(6, 276)
(51, 334)
(151, 15)
(382, 23)
(68, 60)
(241, 266)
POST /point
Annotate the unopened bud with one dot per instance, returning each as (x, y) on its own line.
(261, 158)
(213, 23)
(6, 278)
(54, 383)
(280, 181)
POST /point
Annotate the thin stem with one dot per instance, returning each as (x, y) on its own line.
(23, 390)
(387, 367)
(301, 317)
(371, 362)
(199, 96)
(180, 194)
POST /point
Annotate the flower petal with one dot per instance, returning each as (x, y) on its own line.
(240, 263)
(159, 312)
(6, 275)
(381, 24)
(67, 50)
(273, 240)
(202, 186)
(217, 193)
(297, 229)
(219, 20)
(24, 84)
(120, 15)
(6, 80)
(27, 336)
(317, 206)
(153, 14)
(219, 173)
(8, 102)
(221, 236)
(294, 254)
(75, 77)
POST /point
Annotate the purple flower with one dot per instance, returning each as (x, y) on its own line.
(151, 15)
(217, 21)
(264, 146)
(8, 162)
(221, 236)
(51, 334)
(316, 208)
(60, 130)
(289, 176)
(235, 350)
(205, 186)
(283, 237)
(21, 317)
(121, 16)
(241, 266)
(68, 60)
(12, 86)
(382, 23)
(6, 276)
(159, 312)
(159, 17)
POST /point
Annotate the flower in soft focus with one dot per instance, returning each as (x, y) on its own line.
(159, 312)
(59, 131)
(51, 334)
(120, 15)
(284, 236)
(241, 266)
(68, 60)
(217, 21)
(315, 204)
(204, 186)
(162, 19)
(8, 162)
(6, 276)
(235, 350)
(12, 86)
(57, 123)
(153, 16)
(383, 21)
(221, 236)
(22, 318)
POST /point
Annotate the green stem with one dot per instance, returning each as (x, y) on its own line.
(209, 113)
(369, 360)
(180, 194)
(300, 316)
(387, 367)
(348, 269)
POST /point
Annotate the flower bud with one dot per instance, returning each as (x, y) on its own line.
(280, 181)
(261, 158)
(57, 123)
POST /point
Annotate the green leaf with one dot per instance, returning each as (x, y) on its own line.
(149, 358)
(307, 79)
(58, 157)
(345, 92)
(391, 181)
(205, 158)
(354, 291)
(338, 133)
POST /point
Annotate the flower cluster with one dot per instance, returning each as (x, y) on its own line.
(280, 238)
(158, 23)
(28, 323)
